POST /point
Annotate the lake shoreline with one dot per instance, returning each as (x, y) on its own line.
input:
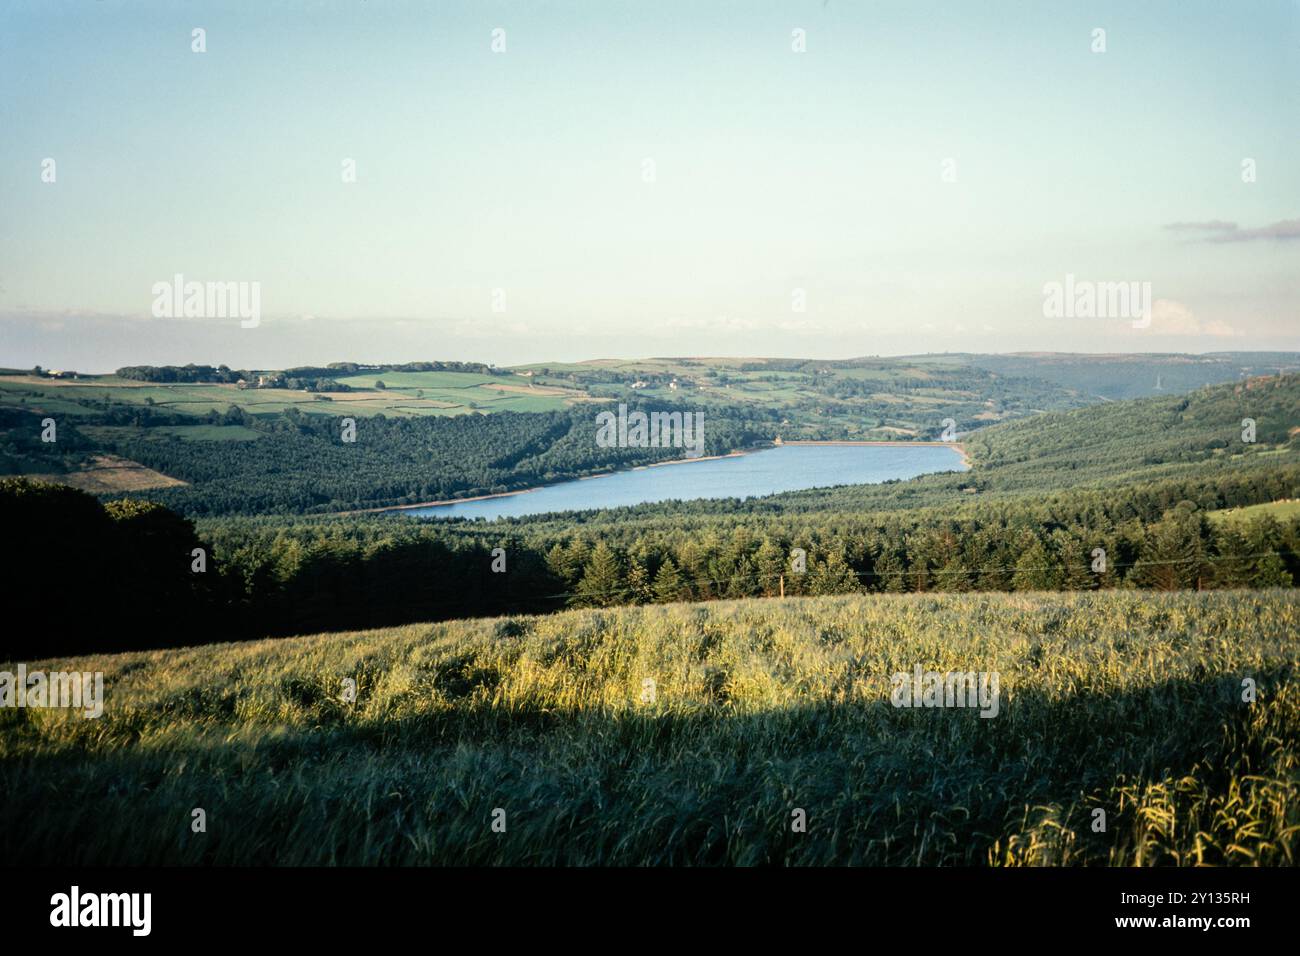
(955, 446)
(524, 491)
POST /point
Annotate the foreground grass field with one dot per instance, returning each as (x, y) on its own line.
(1126, 702)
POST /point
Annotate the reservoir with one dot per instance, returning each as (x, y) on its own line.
(766, 472)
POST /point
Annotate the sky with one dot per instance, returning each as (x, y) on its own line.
(643, 179)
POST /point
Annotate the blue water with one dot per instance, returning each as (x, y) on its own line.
(788, 468)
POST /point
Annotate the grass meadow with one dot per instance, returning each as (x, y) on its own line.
(406, 394)
(1131, 703)
(1277, 510)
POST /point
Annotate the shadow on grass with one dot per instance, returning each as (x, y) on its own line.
(715, 785)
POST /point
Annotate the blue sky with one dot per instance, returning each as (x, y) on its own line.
(522, 171)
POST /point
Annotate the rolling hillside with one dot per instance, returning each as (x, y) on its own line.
(744, 732)
(279, 449)
(1117, 377)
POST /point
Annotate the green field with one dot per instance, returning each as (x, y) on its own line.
(459, 392)
(63, 396)
(1278, 510)
(407, 394)
(855, 399)
(426, 380)
(1125, 702)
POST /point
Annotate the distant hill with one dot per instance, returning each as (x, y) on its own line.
(434, 433)
(1129, 376)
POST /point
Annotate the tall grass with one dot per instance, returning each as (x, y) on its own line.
(1126, 702)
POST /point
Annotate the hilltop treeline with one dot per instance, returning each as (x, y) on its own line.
(121, 576)
(219, 374)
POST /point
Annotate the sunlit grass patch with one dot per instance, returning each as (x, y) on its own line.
(690, 734)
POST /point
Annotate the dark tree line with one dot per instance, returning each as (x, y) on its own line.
(224, 374)
(122, 576)
(82, 576)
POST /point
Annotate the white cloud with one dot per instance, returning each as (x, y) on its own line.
(1171, 317)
